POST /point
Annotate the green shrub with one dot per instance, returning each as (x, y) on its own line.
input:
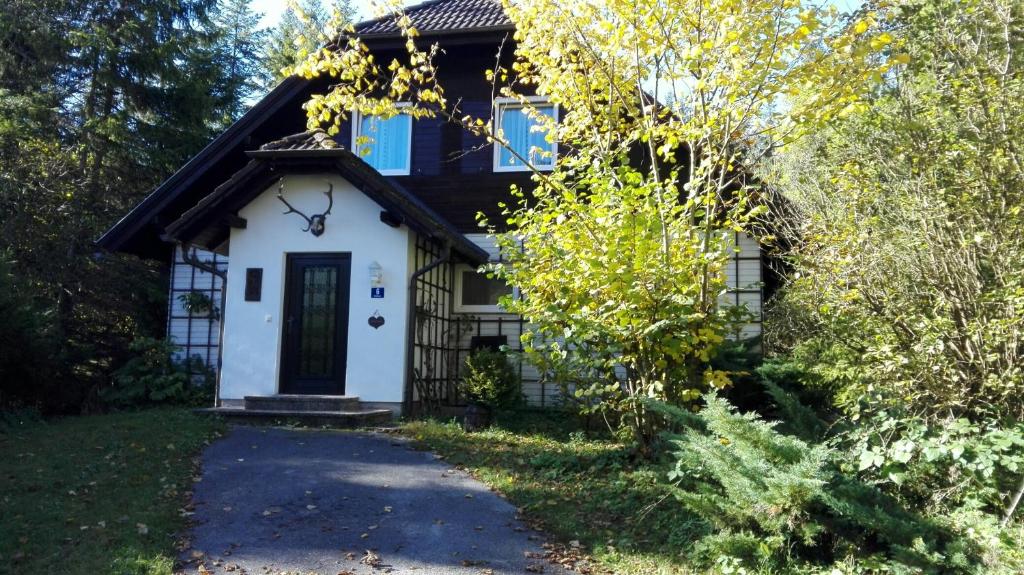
(152, 377)
(490, 380)
(776, 502)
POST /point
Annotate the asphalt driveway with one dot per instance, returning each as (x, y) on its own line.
(301, 501)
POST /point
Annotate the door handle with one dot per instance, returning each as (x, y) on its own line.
(289, 322)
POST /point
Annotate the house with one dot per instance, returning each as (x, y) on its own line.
(335, 273)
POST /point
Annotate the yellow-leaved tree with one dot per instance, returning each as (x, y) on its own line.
(664, 111)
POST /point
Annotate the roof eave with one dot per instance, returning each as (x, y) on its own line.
(118, 235)
(420, 217)
(271, 154)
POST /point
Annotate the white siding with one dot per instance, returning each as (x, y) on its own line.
(486, 243)
(195, 336)
(744, 280)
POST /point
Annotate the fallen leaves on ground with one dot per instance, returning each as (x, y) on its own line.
(371, 559)
(570, 557)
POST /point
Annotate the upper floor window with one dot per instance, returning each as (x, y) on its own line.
(526, 137)
(384, 144)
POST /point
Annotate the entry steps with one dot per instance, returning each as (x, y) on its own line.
(344, 411)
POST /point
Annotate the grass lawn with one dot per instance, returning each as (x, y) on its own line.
(579, 489)
(97, 494)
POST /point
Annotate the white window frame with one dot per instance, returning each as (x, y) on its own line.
(460, 308)
(501, 104)
(357, 122)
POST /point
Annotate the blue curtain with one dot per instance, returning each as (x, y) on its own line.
(389, 145)
(518, 130)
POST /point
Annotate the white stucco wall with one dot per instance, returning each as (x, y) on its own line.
(252, 330)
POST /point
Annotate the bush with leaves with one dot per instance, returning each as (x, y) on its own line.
(490, 380)
(619, 250)
(773, 502)
(153, 377)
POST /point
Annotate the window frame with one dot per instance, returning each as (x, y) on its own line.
(357, 122)
(500, 105)
(460, 308)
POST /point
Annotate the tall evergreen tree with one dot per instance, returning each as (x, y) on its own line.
(240, 52)
(303, 29)
(99, 102)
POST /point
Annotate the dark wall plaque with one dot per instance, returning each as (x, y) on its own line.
(253, 284)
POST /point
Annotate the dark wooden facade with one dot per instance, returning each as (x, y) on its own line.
(452, 169)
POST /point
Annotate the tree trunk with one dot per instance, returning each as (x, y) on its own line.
(1013, 504)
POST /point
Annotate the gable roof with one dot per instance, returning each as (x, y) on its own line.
(118, 237)
(443, 16)
(208, 222)
(139, 230)
(309, 140)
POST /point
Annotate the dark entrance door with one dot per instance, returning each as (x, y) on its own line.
(315, 342)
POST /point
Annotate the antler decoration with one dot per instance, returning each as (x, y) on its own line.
(316, 223)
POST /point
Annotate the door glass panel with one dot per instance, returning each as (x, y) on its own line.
(318, 321)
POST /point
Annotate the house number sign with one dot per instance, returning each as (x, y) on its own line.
(376, 292)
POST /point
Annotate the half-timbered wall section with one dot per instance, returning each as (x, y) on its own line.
(196, 335)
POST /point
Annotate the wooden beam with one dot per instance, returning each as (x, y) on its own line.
(235, 221)
(391, 218)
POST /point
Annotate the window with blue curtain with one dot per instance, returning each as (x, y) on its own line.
(388, 147)
(526, 137)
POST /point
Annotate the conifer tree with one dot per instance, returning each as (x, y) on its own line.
(239, 52)
(303, 29)
(99, 102)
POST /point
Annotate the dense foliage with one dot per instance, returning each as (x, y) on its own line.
(905, 305)
(99, 102)
(489, 379)
(27, 343)
(619, 252)
(305, 26)
(776, 502)
(154, 377)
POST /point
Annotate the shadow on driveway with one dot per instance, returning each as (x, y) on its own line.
(276, 500)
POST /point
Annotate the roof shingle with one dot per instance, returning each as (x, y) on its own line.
(316, 139)
(438, 16)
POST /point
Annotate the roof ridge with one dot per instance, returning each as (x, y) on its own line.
(315, 139)
(439, 16)
(406, 10)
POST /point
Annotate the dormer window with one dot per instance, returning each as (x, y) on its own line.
(526, 136)
(385, 144)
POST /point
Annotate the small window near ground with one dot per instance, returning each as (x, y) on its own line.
(526, 137)
(479, 293)
(385, 144)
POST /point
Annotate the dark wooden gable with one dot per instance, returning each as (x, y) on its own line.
(451, 169)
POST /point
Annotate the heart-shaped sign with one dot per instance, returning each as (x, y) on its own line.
(375, 321)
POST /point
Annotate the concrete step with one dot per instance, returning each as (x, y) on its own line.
(352, 419)
(302, 403)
